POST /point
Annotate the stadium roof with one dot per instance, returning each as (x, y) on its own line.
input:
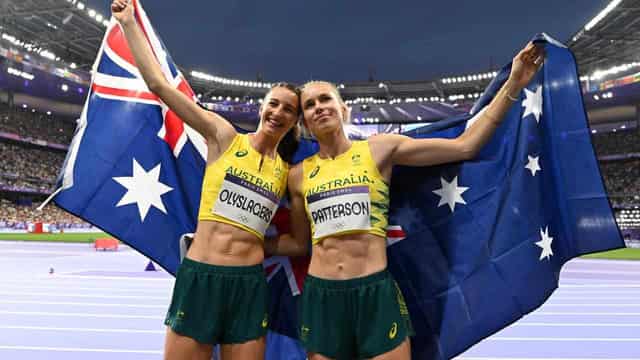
(66, 28)
(610, 38)
(73, 32)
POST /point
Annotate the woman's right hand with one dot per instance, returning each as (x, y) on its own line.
(122, 10)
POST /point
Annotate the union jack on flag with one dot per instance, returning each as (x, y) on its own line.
(474, 245)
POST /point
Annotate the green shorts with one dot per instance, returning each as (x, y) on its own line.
(219, 304)
(353, 319)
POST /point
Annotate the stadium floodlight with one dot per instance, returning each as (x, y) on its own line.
(612, 5)
(64, 87)
(99, 17)
(73, 65)
(80, 5)
(105, 23)
(48, 112)
(92, 13)
(24, 106)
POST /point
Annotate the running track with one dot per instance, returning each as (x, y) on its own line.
(103, 305)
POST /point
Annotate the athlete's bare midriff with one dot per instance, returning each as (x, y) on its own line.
(223, 244)
(348, 256)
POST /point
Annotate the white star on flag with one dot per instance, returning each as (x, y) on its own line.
(450, 193)
(532, 104)
(143, 189)
(545, 244)
(533, 165)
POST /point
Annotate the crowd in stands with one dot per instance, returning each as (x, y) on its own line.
(622, 180)
(619, 142)
(26, 167)
(17, 216)
(36, 125)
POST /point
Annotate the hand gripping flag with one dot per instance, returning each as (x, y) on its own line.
(485, 239)
(474, 245)
(135, 170)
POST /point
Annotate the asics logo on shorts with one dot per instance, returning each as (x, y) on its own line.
(304, 331)
(394, 331)
(265, 321)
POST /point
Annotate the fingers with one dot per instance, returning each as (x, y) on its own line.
(532, 54)
(119, 5)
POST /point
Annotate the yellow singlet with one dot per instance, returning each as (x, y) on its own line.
(346, 194)
(243, 188)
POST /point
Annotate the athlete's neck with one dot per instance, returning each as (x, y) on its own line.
(333, 144)
(263, 144)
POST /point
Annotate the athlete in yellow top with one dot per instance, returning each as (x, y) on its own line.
(351, 307)
(220, 292)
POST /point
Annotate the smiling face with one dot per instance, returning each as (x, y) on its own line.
(279, 111)
(322, 107)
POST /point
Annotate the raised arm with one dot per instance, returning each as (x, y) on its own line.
(211, 126)
(297, 241)
(404, 150)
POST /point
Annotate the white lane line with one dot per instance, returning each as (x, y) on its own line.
(548, 324)
(510, 338)
(601, 285)
(167, 279)
(65, 349)
(562, 292)
(579, 281)
(22, 302)
(608, 272)
(27, 243)
(603, 261)
(104, 296)
(586, 313)
(529, 358)
(83, 330)
(41, 252)
(590, 305)
(52, 280)
(65, 314)
(163, 290)
(591, 298)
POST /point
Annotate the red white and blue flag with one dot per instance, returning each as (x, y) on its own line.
(474, 246)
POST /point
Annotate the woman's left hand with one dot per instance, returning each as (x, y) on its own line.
(526, 64)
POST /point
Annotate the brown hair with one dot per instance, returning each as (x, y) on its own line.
(289, 143)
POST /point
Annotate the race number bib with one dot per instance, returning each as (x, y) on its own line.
(245, 203)
(340, 210)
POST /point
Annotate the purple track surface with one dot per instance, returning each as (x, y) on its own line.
(103, 305)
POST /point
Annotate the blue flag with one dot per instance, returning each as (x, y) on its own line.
(473, 245)
(484, 240)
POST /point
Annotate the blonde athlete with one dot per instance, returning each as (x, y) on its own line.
(351, 306)
(220, 294)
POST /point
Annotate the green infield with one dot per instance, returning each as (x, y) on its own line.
(619, 254)
(86, 238)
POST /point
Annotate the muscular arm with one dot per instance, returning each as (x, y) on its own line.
(297, 241)
(403, 150)
(211, 126)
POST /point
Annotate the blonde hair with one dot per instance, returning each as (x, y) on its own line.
(334, 88)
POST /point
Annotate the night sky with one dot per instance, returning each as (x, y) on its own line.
(342, 41)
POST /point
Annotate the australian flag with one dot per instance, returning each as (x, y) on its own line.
(473, 245)
(484, 240)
